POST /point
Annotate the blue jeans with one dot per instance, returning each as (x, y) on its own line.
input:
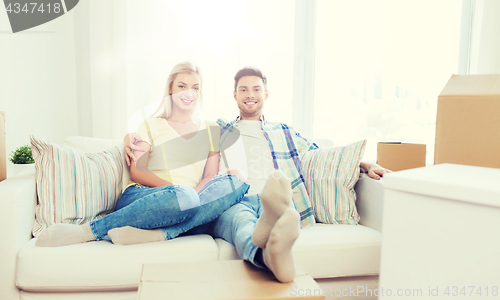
(236, 226)
(174, 209)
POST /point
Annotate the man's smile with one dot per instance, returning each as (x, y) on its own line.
(250, 102)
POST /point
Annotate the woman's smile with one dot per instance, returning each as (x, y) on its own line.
(187, 101)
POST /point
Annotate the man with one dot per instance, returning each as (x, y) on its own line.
(265, 224)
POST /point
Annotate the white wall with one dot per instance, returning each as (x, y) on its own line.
(37, 81)
(88, 71)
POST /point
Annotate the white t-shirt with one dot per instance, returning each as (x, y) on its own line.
(250, 154)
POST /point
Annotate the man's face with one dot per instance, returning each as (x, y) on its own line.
(250, 97)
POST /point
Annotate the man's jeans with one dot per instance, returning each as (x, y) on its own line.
(236, 226)
(174, 209)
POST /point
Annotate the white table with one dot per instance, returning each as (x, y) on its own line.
(441, 233)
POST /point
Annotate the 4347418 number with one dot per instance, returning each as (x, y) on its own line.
(34, 7)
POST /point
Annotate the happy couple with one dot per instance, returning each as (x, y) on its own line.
(185, 179)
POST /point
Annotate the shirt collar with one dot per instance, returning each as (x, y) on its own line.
(262, 119)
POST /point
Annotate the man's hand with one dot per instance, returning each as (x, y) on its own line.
(374, 171)
(130, 140)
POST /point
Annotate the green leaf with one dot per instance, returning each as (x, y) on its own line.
(22, 155)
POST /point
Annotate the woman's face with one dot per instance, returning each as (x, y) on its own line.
(186, 91)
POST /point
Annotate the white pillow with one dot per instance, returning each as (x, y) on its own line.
(330, 175)
(95, 145)
(72, 186)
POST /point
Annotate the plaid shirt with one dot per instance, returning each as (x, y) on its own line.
(285, 144)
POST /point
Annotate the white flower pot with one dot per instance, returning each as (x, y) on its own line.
(19, 168)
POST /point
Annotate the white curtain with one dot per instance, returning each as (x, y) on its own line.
(126, 49)
(101, 72)
(485, 38)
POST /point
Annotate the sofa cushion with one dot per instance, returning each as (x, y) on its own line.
(103, 266)
(329, 250)
(74, 187)
(226, 250)
(330, 175)
(338, 250)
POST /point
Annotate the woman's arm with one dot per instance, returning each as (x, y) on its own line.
(139, 172)
(211, 169)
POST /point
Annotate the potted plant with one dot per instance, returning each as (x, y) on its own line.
(22, 158)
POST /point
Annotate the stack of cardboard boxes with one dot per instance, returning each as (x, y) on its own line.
(467, 127)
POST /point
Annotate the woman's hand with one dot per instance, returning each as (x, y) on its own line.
(238, 174)
(374, 171)
(129, 141)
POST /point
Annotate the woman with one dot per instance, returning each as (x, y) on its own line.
(175, 186)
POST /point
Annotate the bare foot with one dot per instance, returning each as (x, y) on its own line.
(275, 198)
(65, 234)
(130, 235)
(277, 254)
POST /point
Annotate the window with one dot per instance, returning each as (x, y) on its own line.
(220, 37)
(379, 68)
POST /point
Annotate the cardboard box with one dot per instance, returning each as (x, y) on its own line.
(468, 122)
(226, 279)
(3, 153)
(397, 156)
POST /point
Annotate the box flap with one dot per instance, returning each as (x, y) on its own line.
(210, 271)
(449, 181)
(231, 279)
(472, 85)
(404, 142)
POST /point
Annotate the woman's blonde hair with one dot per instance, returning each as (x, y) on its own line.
(165, 108)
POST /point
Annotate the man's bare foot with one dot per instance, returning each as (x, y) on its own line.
(130, 235)
(275, 198)
(277, 254)
(65, 234)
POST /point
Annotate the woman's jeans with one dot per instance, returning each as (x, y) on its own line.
(174, 209)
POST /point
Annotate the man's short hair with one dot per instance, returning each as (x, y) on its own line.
(249, 71)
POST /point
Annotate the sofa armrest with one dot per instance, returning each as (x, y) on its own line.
(17, 214)
(370, 201)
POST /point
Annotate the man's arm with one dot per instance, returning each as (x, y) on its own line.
(374, 171)
(131, 142)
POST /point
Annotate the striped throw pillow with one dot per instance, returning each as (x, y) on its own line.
(74, 187)
(330, 175)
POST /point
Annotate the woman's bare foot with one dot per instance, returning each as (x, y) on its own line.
(130, 235)
(65, 234)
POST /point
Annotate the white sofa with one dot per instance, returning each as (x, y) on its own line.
(341, 258)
